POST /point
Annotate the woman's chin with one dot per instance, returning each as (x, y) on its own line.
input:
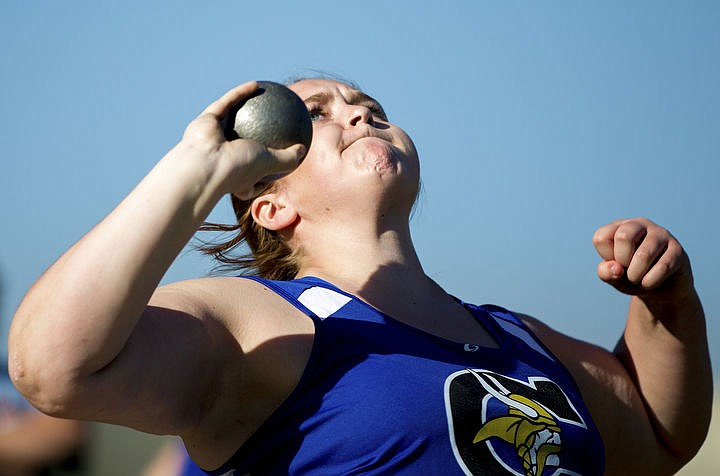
(374, 155)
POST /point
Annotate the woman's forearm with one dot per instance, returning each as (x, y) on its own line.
(665, 350)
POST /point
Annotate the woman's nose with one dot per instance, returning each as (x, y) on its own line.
(357, 114)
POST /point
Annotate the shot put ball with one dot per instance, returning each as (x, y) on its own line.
(274, 116)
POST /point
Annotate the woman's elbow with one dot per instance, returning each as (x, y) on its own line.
(43, 382)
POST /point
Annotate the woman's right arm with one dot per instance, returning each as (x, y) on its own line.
(85, 344)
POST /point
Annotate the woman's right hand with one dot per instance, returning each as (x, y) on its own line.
(242, 165)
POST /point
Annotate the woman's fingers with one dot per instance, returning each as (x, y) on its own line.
(230, 98)
(638, 255)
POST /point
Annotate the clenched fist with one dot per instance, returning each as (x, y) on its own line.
(642, 258)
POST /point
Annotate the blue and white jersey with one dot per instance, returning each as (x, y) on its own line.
(379, 397)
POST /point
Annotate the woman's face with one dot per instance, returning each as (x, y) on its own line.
(355, 152)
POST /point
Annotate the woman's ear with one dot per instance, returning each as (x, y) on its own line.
(273, 212)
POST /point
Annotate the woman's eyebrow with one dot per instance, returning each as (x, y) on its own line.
(353, 97)
(359, 97)
(321, 98)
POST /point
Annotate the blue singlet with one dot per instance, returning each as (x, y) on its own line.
(379, 397)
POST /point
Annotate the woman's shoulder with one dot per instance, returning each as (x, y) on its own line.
(241, 304)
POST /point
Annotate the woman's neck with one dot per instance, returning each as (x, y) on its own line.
(382, 269)
(356, 260)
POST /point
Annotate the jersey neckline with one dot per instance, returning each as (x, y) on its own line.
(480, 315)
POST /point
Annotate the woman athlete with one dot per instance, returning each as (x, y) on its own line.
(342, 356)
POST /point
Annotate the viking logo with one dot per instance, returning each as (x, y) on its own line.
(501, 425)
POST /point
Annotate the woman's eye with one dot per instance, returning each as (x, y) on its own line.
(316, 114)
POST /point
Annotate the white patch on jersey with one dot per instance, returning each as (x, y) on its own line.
(523, 335)
(322, 301)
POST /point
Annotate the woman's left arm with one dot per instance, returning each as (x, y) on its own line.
(652, 396)
(664, 347)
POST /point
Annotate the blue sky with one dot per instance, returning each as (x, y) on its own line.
(536, 123)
